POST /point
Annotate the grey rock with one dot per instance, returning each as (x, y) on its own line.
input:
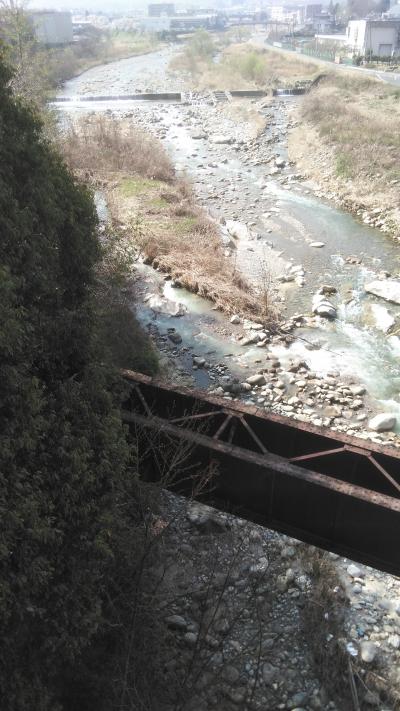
(322, 307)
(176, 622)
(269, 673)
(257, 379)
(354, 571)
(382, 423)
(190, 638)
(200, 362)
(175, 337)
(368, 651)
(230, 674)
(388, 289)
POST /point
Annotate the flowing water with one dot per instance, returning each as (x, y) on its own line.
(286, 217)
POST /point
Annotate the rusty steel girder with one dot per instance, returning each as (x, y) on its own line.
(325, 488)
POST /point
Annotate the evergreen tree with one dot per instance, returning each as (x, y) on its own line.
(62, 445)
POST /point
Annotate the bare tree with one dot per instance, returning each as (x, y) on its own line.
(28, 59)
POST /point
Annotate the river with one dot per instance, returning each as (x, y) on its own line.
(284, 217)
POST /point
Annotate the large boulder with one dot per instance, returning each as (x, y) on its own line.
(383, 320)
(388, 289)
(162, 305)
(322, 307)
(383, 423)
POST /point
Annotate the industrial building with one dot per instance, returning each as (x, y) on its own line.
(378, 38)
(367, 38)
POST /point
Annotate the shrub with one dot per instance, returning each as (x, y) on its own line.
(63, 452)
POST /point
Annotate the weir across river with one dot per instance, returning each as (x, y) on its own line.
(322, 487)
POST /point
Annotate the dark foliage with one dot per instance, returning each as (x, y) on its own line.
(63, 450)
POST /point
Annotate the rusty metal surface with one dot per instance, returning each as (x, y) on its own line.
(325, 488)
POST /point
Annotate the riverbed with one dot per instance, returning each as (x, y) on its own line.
(238, 181)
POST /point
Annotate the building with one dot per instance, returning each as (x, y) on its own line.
(287, 14)
(161, 9)
(52, 28)
(321, 22)
(311, 16)
(335, 41)
(376, 38)
(181, 24)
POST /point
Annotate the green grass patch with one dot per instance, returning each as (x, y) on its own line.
(185, 224)
(343, 166)
(159, 202)
(130, 187)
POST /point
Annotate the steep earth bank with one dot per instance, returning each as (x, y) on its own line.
(347, 141)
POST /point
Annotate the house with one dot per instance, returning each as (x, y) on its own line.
(52, 28)
(377, 38)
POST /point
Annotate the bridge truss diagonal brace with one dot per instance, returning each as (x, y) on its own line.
(355, 450)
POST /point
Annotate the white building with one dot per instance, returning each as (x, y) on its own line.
(52, 28)
(287, 14)
(378, 38)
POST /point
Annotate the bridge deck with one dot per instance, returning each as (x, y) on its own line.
(325, 488)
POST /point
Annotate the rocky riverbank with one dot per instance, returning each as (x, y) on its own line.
(370, 208)
(325, 395)
(243, 608)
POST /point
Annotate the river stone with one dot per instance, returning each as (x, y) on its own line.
(387, 289)
(269, 673)
(221, 139)
(368, 651)
(250, 339)
(322, 307)
(235, 319)
(176, 622)
(230, 674)
(382, 423)
(175, 337)
(357, 390)
(327, 289)
(354, 571)
(200, 362)
(317, 244)
(257, 379)
(298, 700)
(165, 306)
(237, 229)
(394, 641)
(383, 320)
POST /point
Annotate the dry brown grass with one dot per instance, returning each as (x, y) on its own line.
(244, 66)
(103, 145)
(177, 237)
(351, 127)
(364, 131)
(145, 199)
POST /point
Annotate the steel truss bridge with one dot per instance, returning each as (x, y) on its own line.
(331, 490)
